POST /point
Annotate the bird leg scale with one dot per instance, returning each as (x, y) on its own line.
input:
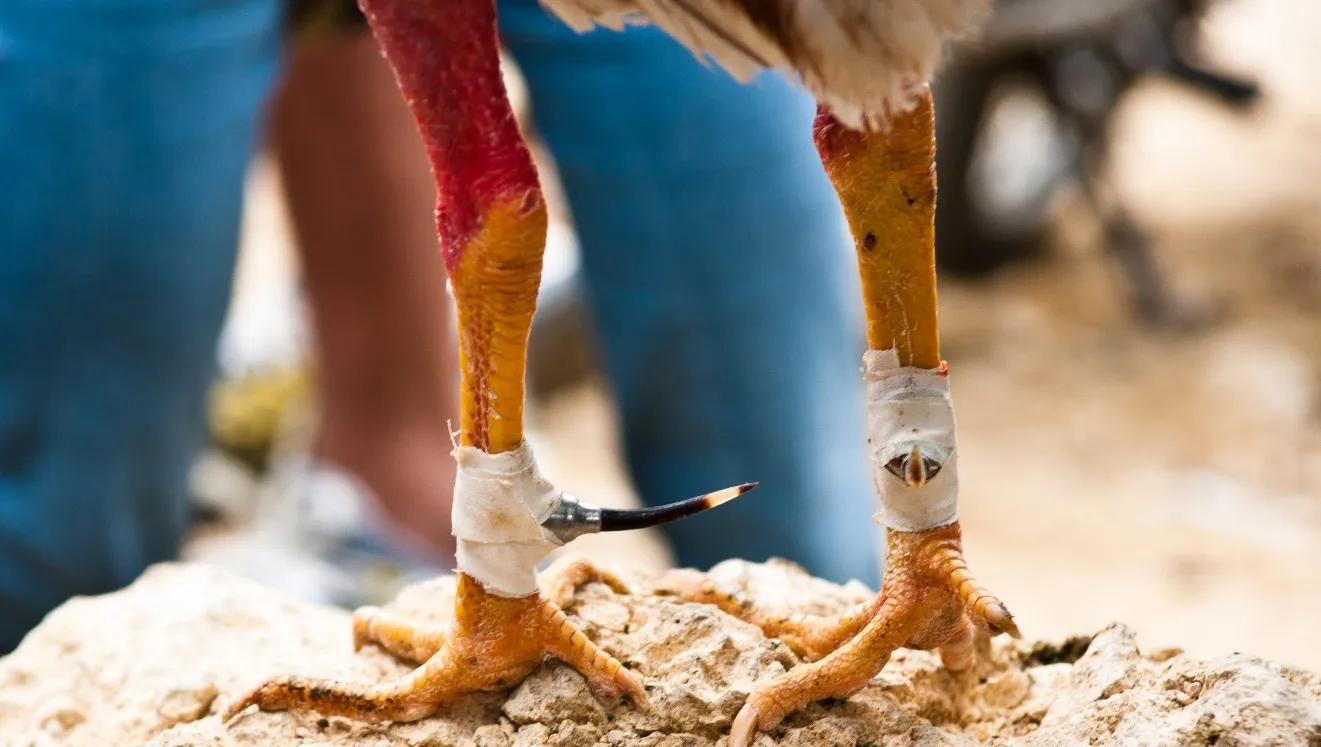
(491, 218)
(571, 571)
(405, 639)
(479, 652)
(928, 599)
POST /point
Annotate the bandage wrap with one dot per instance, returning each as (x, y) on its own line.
(500, 501)
(909, 407)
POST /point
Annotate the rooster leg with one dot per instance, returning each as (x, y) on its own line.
(561, 580)
(492, 644)
(929, 600)
(417, 642)
(479, 654)
(492, 223)
(397, 634)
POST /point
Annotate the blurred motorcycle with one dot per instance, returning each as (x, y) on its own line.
(1079, 57)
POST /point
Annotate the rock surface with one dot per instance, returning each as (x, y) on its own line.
(154, 664)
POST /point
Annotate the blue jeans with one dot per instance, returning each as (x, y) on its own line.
(714, 253)
(126, 127)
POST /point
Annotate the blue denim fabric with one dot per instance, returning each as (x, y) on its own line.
(723, 285)
(125, 130)
(715, 256)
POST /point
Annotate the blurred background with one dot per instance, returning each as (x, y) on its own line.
(1129, 234)
(1140, 437)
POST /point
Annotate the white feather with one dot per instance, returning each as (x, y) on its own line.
(865, 59)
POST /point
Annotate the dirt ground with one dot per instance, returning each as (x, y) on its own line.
(1111, 473)
(125, 668)
(1173, 483)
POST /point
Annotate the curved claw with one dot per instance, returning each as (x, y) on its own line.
(999, 620)
(745, 725)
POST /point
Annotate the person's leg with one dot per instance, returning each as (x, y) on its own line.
(362, 201)
(125, 132)
(719, 269)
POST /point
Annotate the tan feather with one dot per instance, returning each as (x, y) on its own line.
(865, 59)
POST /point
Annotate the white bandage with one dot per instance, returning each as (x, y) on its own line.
(909, 407)
(500, 501)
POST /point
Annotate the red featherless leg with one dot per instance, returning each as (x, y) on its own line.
(492, 224)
